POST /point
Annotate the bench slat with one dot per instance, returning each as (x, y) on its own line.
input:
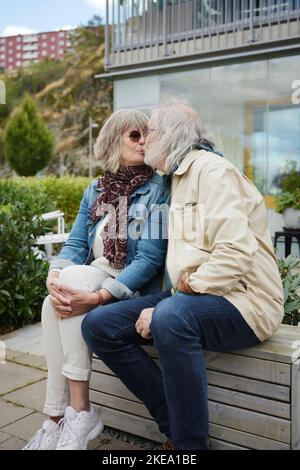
(232, 382)
(249, 402)
(245, 439)
(112, 386)
(120, 404)
(222, 445)
(134, 424)
(259, 424)
(249, 367)
(254, 387)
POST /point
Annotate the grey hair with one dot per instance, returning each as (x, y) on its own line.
(108, 146)
(177, 129)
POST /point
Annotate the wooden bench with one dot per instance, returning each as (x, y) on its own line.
(254, 396)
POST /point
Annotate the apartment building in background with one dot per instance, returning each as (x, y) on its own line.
(22, 50)
(237, 62)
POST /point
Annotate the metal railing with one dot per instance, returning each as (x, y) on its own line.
(140, 31)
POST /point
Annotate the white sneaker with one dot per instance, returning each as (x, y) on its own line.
(46, 438)
(79, 428)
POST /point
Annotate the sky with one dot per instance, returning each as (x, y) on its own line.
(28, 16)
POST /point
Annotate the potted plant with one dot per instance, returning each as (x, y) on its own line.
(287, 202)
(289, 269)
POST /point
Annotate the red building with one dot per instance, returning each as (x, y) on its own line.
(22, 50)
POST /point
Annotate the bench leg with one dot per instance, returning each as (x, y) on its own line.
(288, 245)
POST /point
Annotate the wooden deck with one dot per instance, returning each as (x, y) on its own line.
(254, 396)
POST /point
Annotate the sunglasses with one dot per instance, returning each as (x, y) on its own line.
(135, 136)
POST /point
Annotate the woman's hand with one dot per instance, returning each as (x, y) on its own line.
(142, 326)
(69, 302)
(52, 280)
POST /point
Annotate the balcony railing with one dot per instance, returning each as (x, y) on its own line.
(30, 38)
(143, 31)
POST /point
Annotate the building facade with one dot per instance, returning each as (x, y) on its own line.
(22, 50)
(236, 61)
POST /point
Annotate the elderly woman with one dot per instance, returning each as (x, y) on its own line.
(226, 289)
(98, 265)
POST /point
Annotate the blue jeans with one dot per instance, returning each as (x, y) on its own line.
(182, 325)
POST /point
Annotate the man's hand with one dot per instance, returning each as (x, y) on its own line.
(69, 302)
(142, 326)
(183, 285)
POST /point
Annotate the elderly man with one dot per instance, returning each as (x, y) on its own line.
(226, 289)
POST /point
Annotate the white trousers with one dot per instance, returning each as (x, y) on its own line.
(68, 356)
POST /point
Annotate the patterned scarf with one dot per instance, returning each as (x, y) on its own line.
(117, 189)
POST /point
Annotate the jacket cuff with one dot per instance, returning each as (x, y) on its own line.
(60, 263)
(118, 290)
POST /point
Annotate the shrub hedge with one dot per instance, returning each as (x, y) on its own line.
(22, 271)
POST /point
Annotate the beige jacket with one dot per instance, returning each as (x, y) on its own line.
(218, 232)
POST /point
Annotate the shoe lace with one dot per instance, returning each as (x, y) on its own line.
(68, 433)
(37, 440)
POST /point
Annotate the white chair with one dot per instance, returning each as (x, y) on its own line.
(50, 238)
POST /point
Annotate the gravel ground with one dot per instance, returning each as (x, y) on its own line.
(131, 439)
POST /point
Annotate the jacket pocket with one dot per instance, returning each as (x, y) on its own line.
(187, 223)
(137, 217)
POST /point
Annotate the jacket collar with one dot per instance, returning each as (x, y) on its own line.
(187, 161)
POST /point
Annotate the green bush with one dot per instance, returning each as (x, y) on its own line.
(289, 183)
(291, 286)
(53, 193)
(67, 193)
(289, 179)
(28, 144)
(22, 273)
(287, 199)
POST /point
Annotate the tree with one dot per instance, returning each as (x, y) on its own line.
(95, 21)
(28, 144)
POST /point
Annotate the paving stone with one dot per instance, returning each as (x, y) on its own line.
(30, 331)
(4, 437)
(10, 413)
(12, 355)
(8, 336)
(32, 397)
(18, 343)
(13, 443)
(37, 349)
(44, 366)
(26, 427)
(13, 376)
(31, 360)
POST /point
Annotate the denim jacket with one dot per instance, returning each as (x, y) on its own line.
(146, 240)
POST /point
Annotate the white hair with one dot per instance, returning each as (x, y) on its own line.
(177, 128)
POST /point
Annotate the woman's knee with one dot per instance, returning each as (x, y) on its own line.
(72, 277)
(84, 277)
(47, 308)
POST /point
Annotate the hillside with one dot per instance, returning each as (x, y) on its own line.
(67, 95)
